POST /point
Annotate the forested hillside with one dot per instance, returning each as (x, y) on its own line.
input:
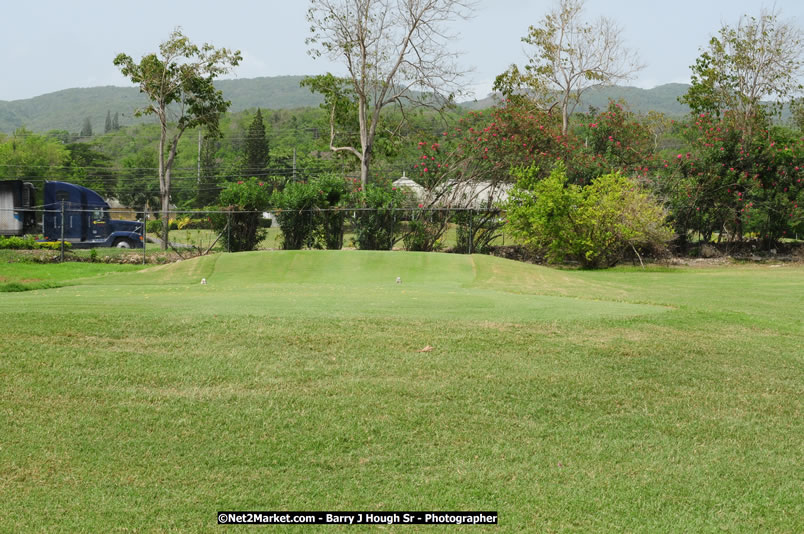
(662, 99)
(69, 109)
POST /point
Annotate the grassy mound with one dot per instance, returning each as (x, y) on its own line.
(356, 283)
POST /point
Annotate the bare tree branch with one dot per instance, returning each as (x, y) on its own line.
(391, 49)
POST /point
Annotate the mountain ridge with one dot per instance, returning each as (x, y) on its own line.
(68, 108)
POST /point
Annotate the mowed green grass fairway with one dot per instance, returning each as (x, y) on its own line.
(625, 400)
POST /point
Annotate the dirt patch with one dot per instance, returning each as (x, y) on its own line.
(700, 262)
(710, 254)
(518, 253)
(103, 256)
(750, 249)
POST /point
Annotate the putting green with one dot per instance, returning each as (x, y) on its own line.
(346, 284)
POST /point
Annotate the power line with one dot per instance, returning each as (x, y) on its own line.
(322, 130)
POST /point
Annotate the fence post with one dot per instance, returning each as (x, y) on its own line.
(144, 232)
(471, 229)
(229, 231)
(62, 231)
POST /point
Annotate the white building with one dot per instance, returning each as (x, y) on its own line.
(458, 194)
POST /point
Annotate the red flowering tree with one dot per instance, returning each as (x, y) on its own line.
(731, 182)
(726, 182)
(744, 176)
(617, 140)
(484, 147)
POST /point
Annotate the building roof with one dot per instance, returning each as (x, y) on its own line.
(469, 194)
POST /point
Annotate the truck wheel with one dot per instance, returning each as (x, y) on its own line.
(122, 243)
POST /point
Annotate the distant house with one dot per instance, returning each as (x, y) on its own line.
(119, 211)
(407, 183)
(456, 194)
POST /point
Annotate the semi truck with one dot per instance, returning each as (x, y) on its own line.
(16, 201)
(73, 212)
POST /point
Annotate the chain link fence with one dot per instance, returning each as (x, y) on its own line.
(66, 228)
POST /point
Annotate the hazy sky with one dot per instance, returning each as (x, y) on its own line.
(46, 45)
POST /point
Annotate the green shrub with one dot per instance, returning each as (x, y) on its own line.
(18, 243)
(425, 229)
(51, 245)
(29, 243)
(244, 202)
(311, 214)
(377, 225)
(200, 223)
(182, 223)
(154, 227)
(333, 195)
(294, 212)
(593, 225)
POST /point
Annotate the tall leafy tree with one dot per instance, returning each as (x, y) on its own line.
(178, 80)
(108, 126)
(91, 168)
(256, 148)
(25, 155)
(136, 186)
(759, 60)
(115, 122)
(569, 56)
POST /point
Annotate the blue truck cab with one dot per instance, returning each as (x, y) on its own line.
(86, 222)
